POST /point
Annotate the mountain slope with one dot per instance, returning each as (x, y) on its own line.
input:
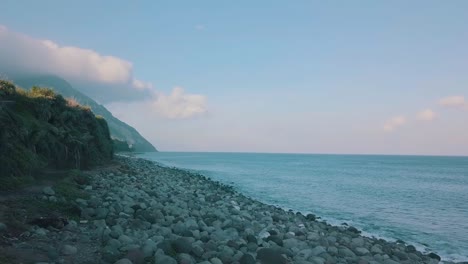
(118, 129)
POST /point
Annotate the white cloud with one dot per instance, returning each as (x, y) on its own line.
(179, 105)
(456, 101)
(426, 115)
(394, 123)
(22, 53)
(140, 85)
(176, 105)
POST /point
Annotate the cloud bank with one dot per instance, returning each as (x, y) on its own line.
(105, 78)
(23, 53)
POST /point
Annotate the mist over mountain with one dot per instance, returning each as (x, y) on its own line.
(118, 129)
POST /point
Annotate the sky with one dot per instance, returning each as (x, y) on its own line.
(366, 77)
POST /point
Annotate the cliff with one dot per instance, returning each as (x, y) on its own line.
(40, 129)
(118, 129)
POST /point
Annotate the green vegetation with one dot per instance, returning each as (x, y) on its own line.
(121, 146)
(118, 129)
(40, 129)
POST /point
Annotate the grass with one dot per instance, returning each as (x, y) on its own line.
(29, 205)
(13, 183)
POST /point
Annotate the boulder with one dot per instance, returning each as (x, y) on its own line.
(318, 250)
(69, 250)
(247, 259)
(164, 259)
(361, 251)
(123, 261)
(182, 245)
(434, 256)
(48, 191)
(270, 256)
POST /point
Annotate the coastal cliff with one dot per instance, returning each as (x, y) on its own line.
(119, 130)
(41, 129)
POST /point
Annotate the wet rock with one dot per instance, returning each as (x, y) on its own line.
(434, 256)
(410, 248)
(352, 229)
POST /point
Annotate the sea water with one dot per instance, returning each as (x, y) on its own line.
(422, 200)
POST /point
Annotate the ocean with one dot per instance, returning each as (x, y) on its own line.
(422, 200)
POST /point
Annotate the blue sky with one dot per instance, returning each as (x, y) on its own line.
(275, 76)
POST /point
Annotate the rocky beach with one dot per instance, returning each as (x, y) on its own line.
(140, 212)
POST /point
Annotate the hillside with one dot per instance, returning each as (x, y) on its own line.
(40, 129)
(118, 129)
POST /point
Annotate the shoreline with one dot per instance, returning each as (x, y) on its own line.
(425, 248)
(141, 211)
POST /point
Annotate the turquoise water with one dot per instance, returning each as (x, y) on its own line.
(421, 200)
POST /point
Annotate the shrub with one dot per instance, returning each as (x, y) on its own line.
(42, 130)
(6, 88)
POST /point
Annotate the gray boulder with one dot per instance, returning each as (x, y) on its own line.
(164, 259)
(123, 261)
(69, 250)
(48, 191)
(247, 259)
(270, 256)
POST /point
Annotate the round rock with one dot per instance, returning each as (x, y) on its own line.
(69, 250)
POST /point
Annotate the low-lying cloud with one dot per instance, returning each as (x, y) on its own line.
(107, 79)
(177, 105)
(394, 122)
(22, 53)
